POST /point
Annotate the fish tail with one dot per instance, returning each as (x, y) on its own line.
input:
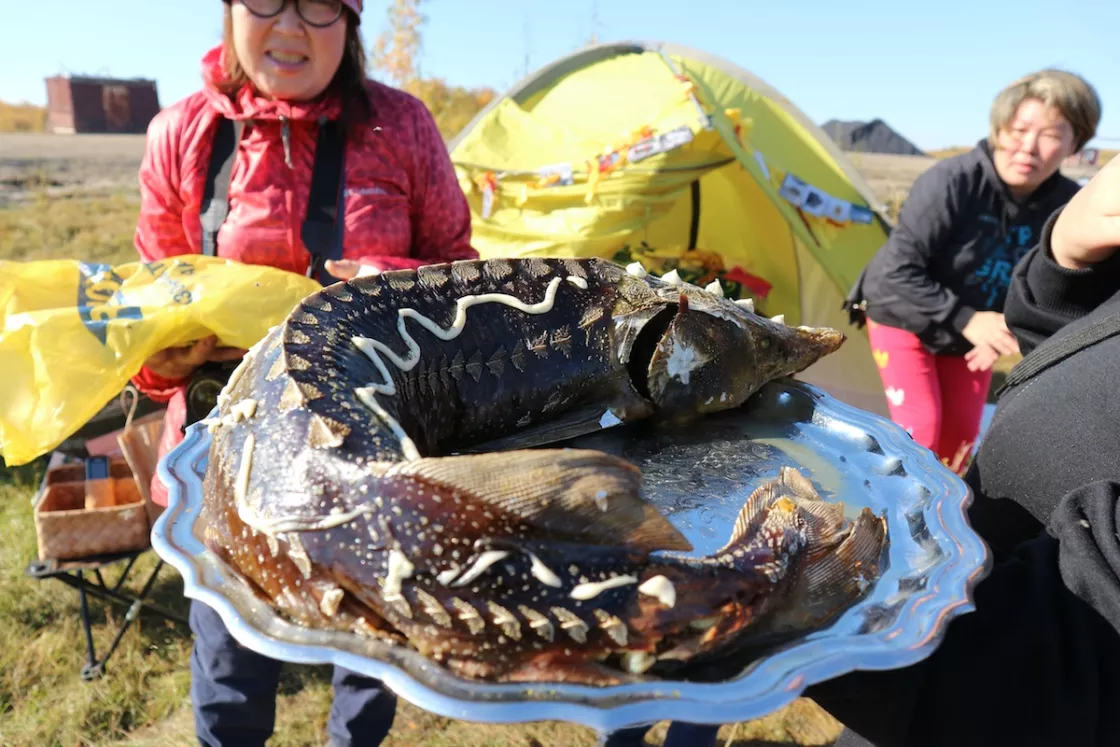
(779, 520)
(800, 564)
(838, 576)
(724, 593)
(830, 561)
(831, 580)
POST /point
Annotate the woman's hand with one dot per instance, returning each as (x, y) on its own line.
(348, 269)
(179, 363)
(988, 329)
(981, 358)
(1088, 229)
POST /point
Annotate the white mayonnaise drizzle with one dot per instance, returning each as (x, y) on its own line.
(542, 572)
(400, 568)
(485, 560)
(595, 588)
(374, 349)
(258, 523)
(366, 396)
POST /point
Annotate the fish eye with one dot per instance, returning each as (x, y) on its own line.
(765, 343)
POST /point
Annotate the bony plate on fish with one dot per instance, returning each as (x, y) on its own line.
(557, 489)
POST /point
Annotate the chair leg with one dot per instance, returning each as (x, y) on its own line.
(93, 669)
(135, 604)
(97, 669)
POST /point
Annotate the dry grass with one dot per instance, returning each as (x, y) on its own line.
(22, 118)
(96, 230)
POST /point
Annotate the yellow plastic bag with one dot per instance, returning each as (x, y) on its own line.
(72, 333)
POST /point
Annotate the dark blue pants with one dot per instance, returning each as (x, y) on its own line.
(233, 691)
(680, 735)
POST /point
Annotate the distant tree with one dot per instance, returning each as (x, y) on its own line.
(453, 107)
(396, 50)
(395, 56)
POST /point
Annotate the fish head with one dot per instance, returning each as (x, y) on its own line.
(714, 354)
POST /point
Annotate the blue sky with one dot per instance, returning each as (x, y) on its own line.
(930, 69)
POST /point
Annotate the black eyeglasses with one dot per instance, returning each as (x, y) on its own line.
(318, 13)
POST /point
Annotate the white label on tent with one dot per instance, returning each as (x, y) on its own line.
(660, 144)
(487, 202)
(644, 149)
(762, 164)
(815, 201)
(839, 211)
(563, 170)
(676, 138)
(794, 190)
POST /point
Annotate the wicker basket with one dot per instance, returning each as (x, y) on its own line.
(67, 530)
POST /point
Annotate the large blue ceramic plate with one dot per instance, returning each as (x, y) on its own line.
(698, 477)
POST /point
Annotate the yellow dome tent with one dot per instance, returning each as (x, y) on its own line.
(667, 156)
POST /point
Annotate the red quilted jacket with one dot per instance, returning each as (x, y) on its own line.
(403, 206)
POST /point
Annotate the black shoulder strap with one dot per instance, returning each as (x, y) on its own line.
(322, 231)
(1040, 360)
(215, 195)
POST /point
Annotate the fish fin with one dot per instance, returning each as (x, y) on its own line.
(753, 513)
(828, 584)
(801, 485)
(573, 494)
(826, 520)
(578, 422)
(549, 667)
(832, 580)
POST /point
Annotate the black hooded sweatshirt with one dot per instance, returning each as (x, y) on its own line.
(959, 235)
(1038, 662)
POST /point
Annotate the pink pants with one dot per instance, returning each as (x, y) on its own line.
(934, 397)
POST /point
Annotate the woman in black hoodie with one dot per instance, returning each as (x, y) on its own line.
(933, 295)
(1038, 662)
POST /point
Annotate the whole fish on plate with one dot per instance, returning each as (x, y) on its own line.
(379, 465)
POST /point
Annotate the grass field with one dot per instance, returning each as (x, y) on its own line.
(76, 197)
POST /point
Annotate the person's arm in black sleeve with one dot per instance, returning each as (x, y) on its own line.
(927, 220)
(1038, 662)
(1044, 296)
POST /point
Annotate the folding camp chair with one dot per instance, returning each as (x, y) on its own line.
(66, 470)
(73, 573)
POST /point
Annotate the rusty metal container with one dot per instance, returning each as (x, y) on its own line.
(80, 104)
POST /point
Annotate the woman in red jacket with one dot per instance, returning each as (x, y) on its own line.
(230, 171)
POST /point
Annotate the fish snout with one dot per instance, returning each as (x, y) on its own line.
(803, 346)
(824, 340)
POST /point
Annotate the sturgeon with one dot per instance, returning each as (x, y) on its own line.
(380, 464)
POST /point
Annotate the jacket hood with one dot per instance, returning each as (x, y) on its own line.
(248, 103)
